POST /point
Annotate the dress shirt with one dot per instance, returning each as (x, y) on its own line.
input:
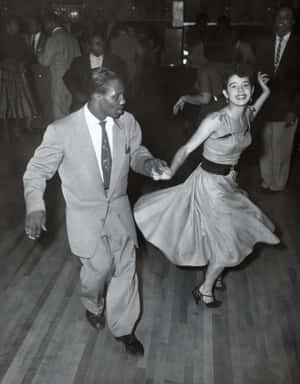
(284, 42)
(56, 29)
(95, 131)
(34, 41)
(96, 61)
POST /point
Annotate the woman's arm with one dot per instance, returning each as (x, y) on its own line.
(206, 128)
(262, 79)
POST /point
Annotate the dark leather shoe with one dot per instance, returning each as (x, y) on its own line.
(132, 344)
(96, 321)
(200, 297)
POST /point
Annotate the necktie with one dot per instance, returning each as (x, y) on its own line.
(277, 54)
(106, 159)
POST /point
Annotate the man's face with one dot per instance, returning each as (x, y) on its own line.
(97, 46)
(112, 103)
(284, 21)
(49, 26)
(34, 27)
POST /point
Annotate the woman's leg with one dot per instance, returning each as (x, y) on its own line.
(4, 128)
(212, 273)
(17, 128)
(28, 124)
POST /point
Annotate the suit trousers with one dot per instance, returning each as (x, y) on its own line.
(276, 157)
(109, 281)
(61, 98)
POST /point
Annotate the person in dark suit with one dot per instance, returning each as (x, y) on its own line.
(279, 57)
(78, 76)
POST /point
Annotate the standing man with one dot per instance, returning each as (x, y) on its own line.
(60, 49)
(124, 44)
(279, 57)
(92, 149)
(77, 78)
(40, 74)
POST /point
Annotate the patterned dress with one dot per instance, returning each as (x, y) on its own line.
(208, 218)
(16, 96)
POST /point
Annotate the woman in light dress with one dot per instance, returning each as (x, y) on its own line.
(209, 220)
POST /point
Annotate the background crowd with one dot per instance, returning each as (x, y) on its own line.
(45, 65)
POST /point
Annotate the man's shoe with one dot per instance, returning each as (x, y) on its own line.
(96, 321)
(132, 344)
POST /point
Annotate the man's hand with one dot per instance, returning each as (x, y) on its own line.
(35, 222)
(179, 105)
(290, 119)
(165, 175)
(160, 170)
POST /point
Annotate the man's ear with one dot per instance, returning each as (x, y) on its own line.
(98, 96)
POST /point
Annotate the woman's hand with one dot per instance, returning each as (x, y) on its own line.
(263, 80)
(165, 175)
(179, 105)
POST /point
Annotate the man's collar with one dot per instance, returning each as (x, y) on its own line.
(285, 37)
(95, 119)
(96, 57)
(56, 29)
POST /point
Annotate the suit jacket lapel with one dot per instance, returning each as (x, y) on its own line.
(119, 144)
(86, 62)
(87, 151)
(273, 53)
(286, 53)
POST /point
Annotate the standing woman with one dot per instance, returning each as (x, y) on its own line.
(16, 100)
(209, 220)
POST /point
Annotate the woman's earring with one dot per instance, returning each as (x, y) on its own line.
(227, 100)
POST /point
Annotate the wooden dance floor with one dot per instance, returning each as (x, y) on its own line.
(253, 338)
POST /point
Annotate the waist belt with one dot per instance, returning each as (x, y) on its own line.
(217, 169)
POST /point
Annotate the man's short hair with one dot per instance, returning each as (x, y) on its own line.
(51, 18)
(287, 6)
(100, 78)
(96, 33)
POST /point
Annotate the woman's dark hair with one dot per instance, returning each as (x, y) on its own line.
(99, 79)
(239, 69)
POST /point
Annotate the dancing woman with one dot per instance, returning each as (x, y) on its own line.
(209, 220)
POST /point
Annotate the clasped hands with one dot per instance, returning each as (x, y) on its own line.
(160, 170)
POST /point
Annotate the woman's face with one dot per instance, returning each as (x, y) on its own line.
(239, 90)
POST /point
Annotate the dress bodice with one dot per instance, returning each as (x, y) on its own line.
(229, 140)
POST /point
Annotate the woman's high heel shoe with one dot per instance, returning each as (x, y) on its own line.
(198, 296)
(220, 285)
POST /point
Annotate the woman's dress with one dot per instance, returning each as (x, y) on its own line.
(208, 218)
(16, 96)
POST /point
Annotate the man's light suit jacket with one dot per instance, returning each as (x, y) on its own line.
(67, 147)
